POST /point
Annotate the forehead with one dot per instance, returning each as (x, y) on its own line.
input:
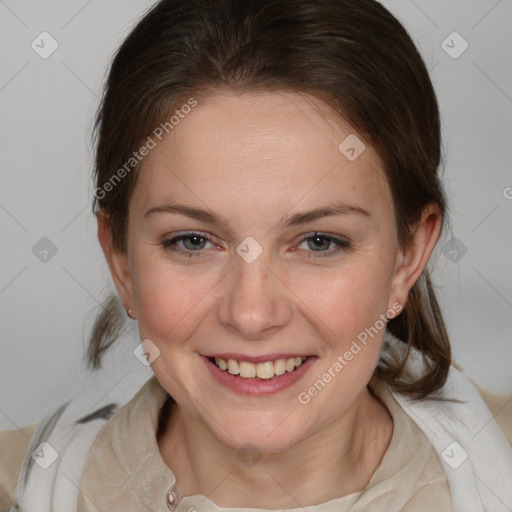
(265, 150)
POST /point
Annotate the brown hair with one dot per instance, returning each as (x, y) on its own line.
(355, 56)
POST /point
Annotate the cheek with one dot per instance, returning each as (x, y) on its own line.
(169, 298)
(346, 300)
(345, 307)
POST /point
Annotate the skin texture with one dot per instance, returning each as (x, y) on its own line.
(253, 159)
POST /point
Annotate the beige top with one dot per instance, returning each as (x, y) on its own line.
(125, 471)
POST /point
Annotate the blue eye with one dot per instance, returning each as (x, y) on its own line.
(324, 245)
(192, 243)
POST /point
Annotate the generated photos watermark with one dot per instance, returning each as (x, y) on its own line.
(151, 142)
(305, 397)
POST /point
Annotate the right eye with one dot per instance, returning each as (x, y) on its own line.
(192, 244)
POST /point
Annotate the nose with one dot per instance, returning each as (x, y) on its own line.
(255, 302)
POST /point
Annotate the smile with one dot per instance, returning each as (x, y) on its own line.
(262, 375)
(264, 370)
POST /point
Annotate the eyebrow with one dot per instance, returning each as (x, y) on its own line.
(296, 219)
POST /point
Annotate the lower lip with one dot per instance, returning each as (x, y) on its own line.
(255, 385)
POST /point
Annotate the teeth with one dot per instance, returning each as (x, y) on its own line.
(266, 370)
(247, 370)
(280, 367)
(233, 366)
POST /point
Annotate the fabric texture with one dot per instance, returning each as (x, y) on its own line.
(13, 445)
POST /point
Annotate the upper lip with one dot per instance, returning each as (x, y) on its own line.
(255, 359)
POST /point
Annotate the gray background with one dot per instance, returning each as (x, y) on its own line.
(47, 108)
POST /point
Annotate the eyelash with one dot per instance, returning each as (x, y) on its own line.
(341, 244)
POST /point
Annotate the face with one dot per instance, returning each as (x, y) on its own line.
(252, 237)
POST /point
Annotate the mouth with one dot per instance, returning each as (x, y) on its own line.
(258, 376)
(264, 370)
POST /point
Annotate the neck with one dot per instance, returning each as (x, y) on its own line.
(330, 463)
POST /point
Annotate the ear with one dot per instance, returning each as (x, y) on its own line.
(117, 261)
(412, 261)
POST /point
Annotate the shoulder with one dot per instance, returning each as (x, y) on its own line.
(124, 461)
(501, 409)
(121, 435)
(468, 440)
(499, 405)
(481, 405)
(13, 446)
(63, 439)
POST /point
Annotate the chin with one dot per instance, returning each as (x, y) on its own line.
(272, 434)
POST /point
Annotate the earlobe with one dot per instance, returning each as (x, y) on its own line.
(117, 261)
(411, 262)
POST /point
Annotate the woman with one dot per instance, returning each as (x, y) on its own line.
(268, 197)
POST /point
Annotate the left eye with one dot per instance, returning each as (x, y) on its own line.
(326, 244)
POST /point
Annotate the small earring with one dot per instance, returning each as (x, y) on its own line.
(129, 313)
